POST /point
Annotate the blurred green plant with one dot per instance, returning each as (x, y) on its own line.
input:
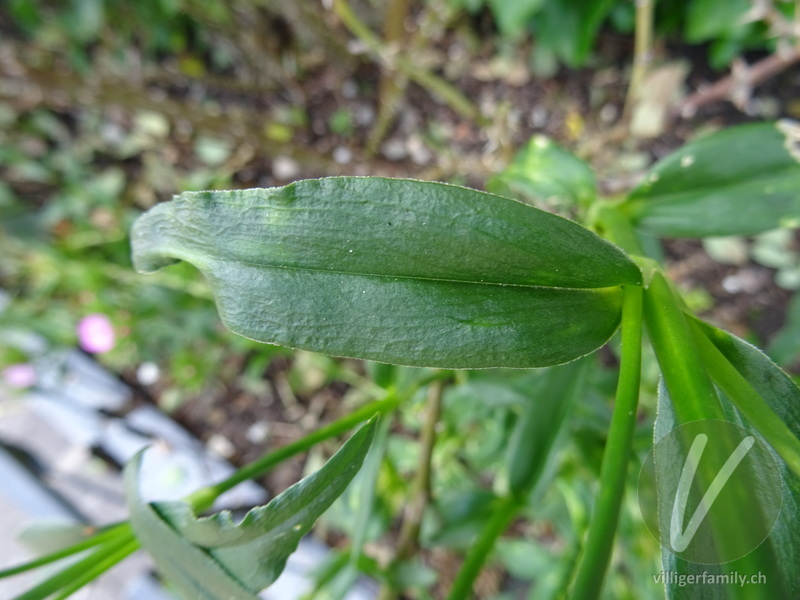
(565, 32)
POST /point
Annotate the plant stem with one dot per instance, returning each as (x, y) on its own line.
(689, 385)
(102, 536)
(617, 228)
(643, 52)
(502, 516)
(392, 85)
(203, 499)
(749, 402)
(426, 79)
(694, 398)
(421, 487)
(94, 571)
(76, 571)
(613, 471)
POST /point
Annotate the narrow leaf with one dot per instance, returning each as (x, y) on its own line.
(541, 423)
(215, 557)
(762, 392)
(397, 271)
(739, 181)
(777, 555)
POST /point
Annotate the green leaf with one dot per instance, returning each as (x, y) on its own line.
(739, 181)
(542, 421)
(513, 17)
(570, 28)
(785, 346)
(395, 270)
(708, 19)
(765, 395)
(779, 554)
(213, 557)
(780, 399)
(546, 175)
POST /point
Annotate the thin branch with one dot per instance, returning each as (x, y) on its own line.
(396, 62)
(392, 85)
(643, 52)
(743, 78)
(421, 486)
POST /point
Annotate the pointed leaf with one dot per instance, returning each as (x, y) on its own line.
(739, 181)
(782, 399)
(778, 553)
(541, 423)
(214, 557)
(398, 271)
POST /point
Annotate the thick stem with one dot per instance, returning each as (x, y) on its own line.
(421, 488)
(689, 385)
(392, 85)
(694, 399)
(613, 472)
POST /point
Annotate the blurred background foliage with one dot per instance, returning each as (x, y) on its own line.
(107, 108)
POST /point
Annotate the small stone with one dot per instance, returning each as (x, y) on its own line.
(394, 149)
(221, 445)
(148, 373)
(285, 168)
(342, 155)
(257, 433)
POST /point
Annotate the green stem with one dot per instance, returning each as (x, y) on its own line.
(613, 471)
(694, 398)
(203, 499)
(98, 568)
(102, 536)
(76, 571)
(617, 228)
(690, 387)
(501, 518)
(749, 402)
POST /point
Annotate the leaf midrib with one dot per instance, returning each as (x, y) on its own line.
(405, 277)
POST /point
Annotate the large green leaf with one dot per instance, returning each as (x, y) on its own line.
(739, 181)
(395, 270)
(214, 558)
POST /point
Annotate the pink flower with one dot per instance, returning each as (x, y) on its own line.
(96, 334)
(19, 376)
